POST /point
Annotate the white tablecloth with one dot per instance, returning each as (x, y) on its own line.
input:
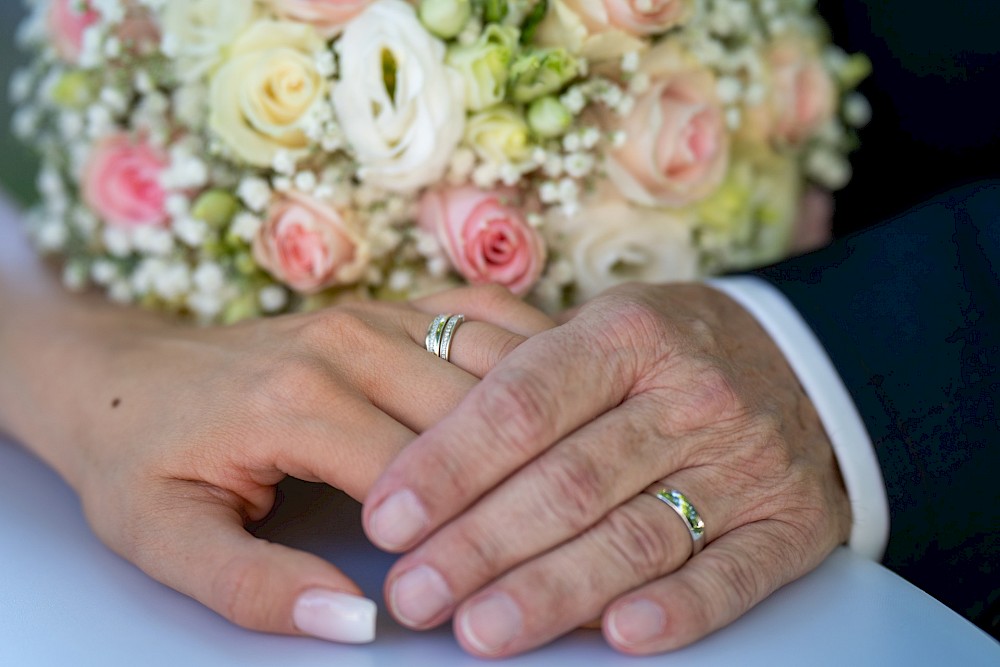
(67, 600)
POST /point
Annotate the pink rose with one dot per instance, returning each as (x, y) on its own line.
(329, 16)
(647, 17)
(139, 32)
(676, 146)
(803, 93)
(121, 182)
(486, 240)
(309, 245)
(68, 20)
(603, 30)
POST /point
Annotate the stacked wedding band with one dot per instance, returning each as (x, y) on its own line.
(440, 334)
(679, 503)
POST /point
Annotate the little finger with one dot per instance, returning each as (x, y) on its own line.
(713, 589)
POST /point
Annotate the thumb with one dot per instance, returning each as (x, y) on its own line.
(202, 550)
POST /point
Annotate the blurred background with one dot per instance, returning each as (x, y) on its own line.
(935, 93)
(17, 163)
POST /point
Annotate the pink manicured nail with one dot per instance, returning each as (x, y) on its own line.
(420, 595)
(636, 622)
(398, 520)
(491, 624)
(336, 617)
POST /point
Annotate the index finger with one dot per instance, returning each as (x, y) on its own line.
(545, 389)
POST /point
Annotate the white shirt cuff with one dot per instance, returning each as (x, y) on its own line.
(852, 445)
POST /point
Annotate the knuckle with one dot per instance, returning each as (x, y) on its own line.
(634, 320)
(770, 453)
(733, 585)
(574, 490)
(484, 556)
(496, 349)
(516, 413)
(704, 397)
(642, 546)
(285, 385)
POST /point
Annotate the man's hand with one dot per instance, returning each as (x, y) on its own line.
(523, 511)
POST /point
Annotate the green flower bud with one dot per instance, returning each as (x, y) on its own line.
(548, 117)
(445, 18)
(499, 135)
(485, 65)
(73, 90)
(242, 308)
(854, 70)
(215, 207)
(245, 264)
(541, 72)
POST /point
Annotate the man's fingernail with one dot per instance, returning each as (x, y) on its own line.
(491, 624)
(398, 520)
(336, 617)
(419, 595)
(636, 622)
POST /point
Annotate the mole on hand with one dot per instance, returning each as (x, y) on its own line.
(115, 403)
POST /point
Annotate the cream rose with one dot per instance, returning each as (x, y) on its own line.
(309, 246)
(121, 182)
(607, 29)
(487, 241)
(803, 95)
(328, 16)
(196, 32)
(401, 108)
(677, 146)
(611, 241)
(262, 94)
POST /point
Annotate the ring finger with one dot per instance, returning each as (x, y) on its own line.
(640, 541)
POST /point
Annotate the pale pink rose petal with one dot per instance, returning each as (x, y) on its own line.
(121, 182)
(677, 148)
(328, 16)
(67, 24)
(803, 93)
(308, 245)
(649, 17)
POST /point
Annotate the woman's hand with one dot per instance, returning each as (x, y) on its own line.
(524, 511)
(175, 437)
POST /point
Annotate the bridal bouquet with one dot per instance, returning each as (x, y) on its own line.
(224, 159)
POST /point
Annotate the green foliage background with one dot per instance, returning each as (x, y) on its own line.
(17, 163)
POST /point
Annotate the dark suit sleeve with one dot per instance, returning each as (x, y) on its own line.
(910, 314)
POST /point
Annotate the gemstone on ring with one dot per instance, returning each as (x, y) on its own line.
(678, 502)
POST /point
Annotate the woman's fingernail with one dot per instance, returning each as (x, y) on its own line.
(636, 622)
(336, 617)
(419, 595)
(398, 520)
(491, 624)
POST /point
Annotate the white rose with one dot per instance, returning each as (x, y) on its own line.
(196, 32)
(401, 108)
(610, 241)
